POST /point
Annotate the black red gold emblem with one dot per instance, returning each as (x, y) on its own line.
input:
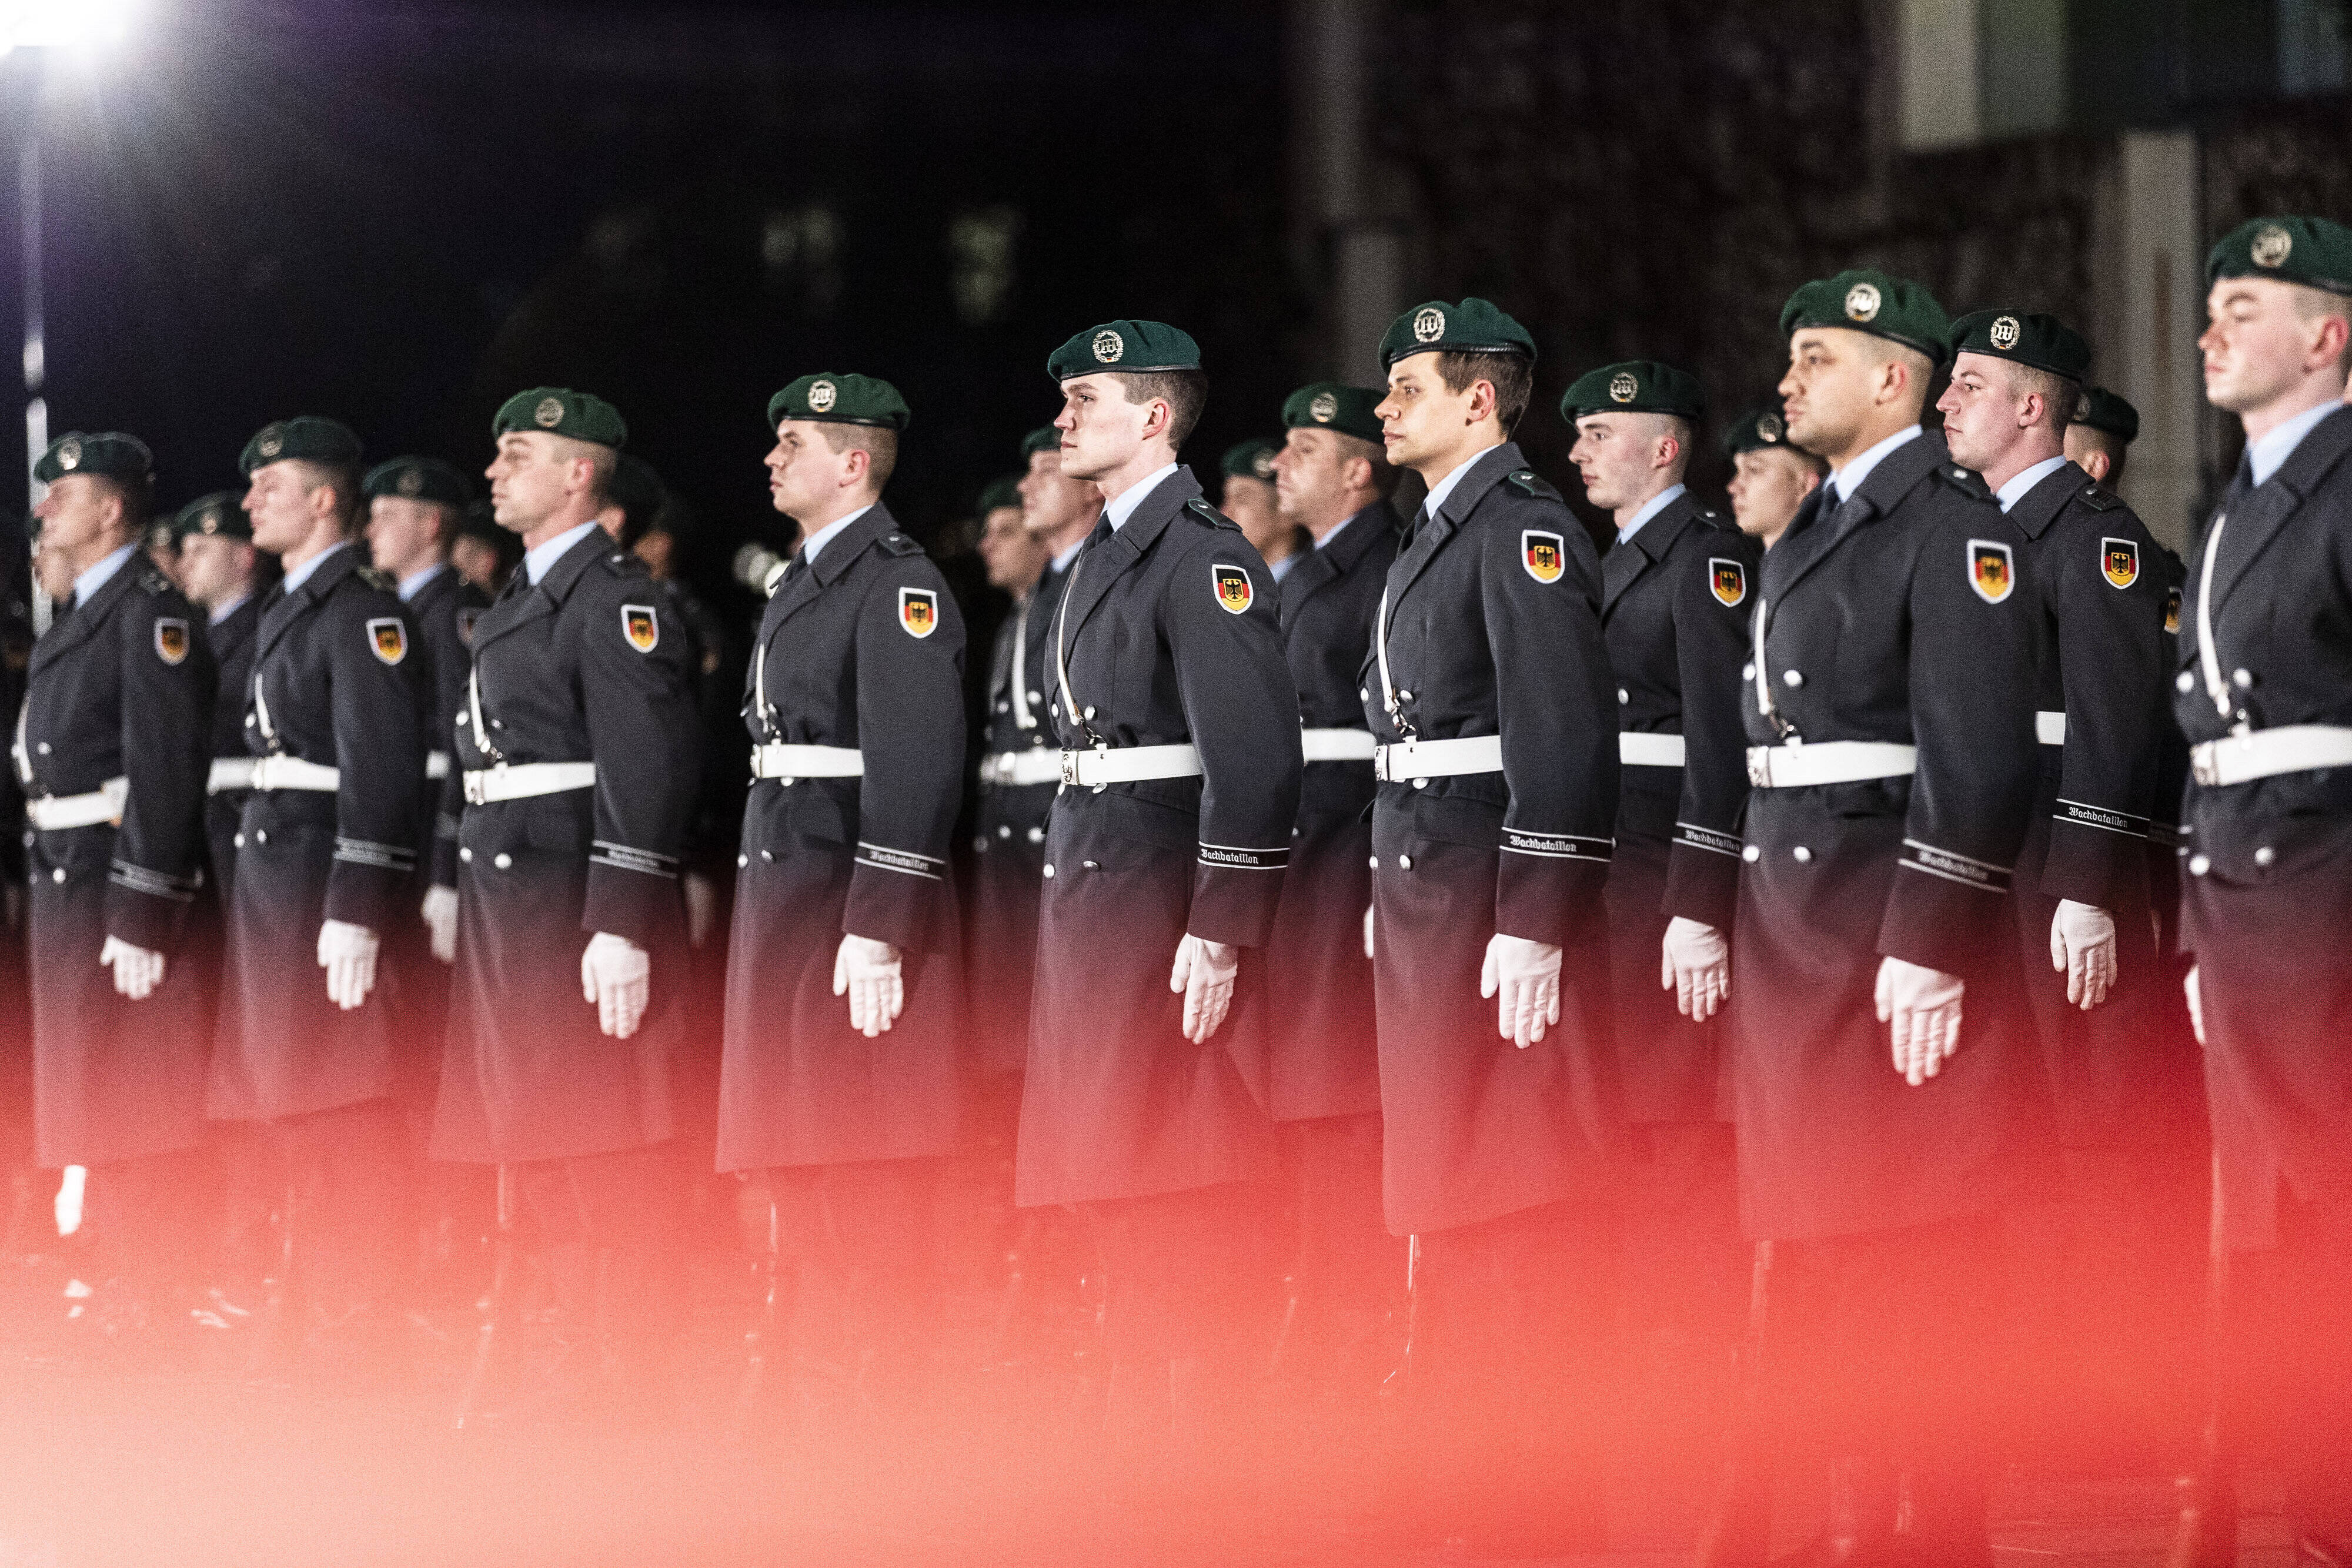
(919, 611)
(1992, 570)
(1235, 591)
(1543, 555)
(641, 626)
(1728, 578)
(388, 639)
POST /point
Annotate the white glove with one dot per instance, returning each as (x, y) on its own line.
(347, 952)
(1368, 931)
(137, 971)
(2083, 948)
(69, 1203)
(617, 976)
(868, 971)
(1205, 973)
(1695, 963)
(701, 909)
(440, 912)
(2195, 1004)
(1528, 975)
(1923, 1007)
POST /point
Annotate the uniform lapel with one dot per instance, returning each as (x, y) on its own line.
(1485, 473)
(2039, 508)
(2257, 519)
(1786, 564)
(1104, 562)
(285, 609)
(1626, 562)
(536, 601)
(804, 585)
(77, 628)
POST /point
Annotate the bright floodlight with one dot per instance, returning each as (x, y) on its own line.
(54, 24)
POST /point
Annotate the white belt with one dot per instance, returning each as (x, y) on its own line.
(1021, 769)
(436, 765)
(104, 804)
(1829, 762)
(229, 773)
(1437, 758)
(2260, 753)
(520, 780)
(293, 773)
(1129, 764)
(775, 759)
(2049, 728)
(1640, 749)
(1336, 745)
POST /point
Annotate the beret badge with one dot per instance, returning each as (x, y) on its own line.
(1861, 301)
(549, 412)
(212, 522)
(69, 454)
(1623, 387)
(272, 441)
(1429, 325)
(1108, 346)
(1769, 428)
(2270, 246)
(2004, 332)
(820, 397)
(412, 481)
(1324, 409)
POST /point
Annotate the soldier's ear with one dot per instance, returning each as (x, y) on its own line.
(2095, 463)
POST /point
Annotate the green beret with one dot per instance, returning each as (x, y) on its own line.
(1756, 431)
(1473, 327)
(1134, 347)
(2042, 343)
(308, 436)
(840, 400)
(2311, 251)
(1001, 492)
(2099, 409)
(560, 411)
(1251, 459)
(108, 454)
(1049, 439)
(418, 479)
(1328, 405)
(1866, 300)
(218, 513)
(1636, 386)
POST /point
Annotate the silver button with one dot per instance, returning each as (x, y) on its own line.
(239, 843)
(248, 721)
(261, 835)
(59, 874)
(1751, 854)
(1404, 696)
(1006, 831)
(1747, 670)
(42, 747)
(1804, 855)
(1404, 862)
(1090, 711)
(2199, 865)
(1363, 694)
(1034, 697)
(1049, 868)
(1004, 708)
(2184, 682)
(1792, 679)
(2265, 855)
(502, 859)
(2241, 679)
(1091, 865)
(743, 861)
(769, 856)
(1624, 696)
(1420, 783)
(1036, 835)
(1376, 863)
(465, 855)
(980, 844)
(462, 717)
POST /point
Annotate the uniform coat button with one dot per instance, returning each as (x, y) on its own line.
(248, 721)
(1090, 865)
(502, 859)
(1049, 868)
(1404, 862)
(2184, 682)
(1090, 710)
(42, 747)
(1751, 854)
(239, 843)
(1404, 696)
(1624, 696)
(2199, 865)
(1420, 783)
(1035, 699)
(2265, 855)
(1363, 694)
(1036, 835)
(2241, 679)
(1004, 708)
(59, 874)
(743, 861)
(261, 835)
(1804, 855)
(465, 855)
(980, 844)
(1747, 670)
(767, 856)
(1006, 831)
(461, 717)
(1792, 679)
(1376, 863)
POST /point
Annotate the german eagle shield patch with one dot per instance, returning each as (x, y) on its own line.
(2119, 559)
(1234, 589)
(1992, 570)
(919, 611)
(388, 639)
(1542, 554)
(170, 640)
(641, 627)
(1728, 578)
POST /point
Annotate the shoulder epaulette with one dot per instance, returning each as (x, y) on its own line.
(1965, 481)
(1713, 519)
(896, 543)
(1199, 506)
(375, 579)
(1528, 482)
(2099, 500)
(624, 563)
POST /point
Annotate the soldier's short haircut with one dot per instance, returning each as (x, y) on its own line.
(343, 478)
(2059, 396)
(2108, 442)
(1186, 393)
(1513, 377)
(879, 442)
(2313, 304)
(138, 497)
(1385, 474)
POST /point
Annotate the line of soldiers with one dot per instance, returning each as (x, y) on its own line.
(1266, 815)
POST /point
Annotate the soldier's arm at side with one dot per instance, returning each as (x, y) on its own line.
(1710, 645)
(2112, 653)
(452, 661)
(380, 754)
(1241, 707)
(1971, 686)
(910, 723)
(643, 737)
(167, 713)
(1558, 707)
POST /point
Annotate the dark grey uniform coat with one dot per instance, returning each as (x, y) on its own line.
(1676, 600)
(1163, 647)
(232, 641)
(335, 682)
(581, 667)
(121, 687)
(2118, 1074)
(1877, 631)
(1312, 1018)
(445, 610)
(2268, 899)
(864, 649)
(1494, 628)
(1008, 866)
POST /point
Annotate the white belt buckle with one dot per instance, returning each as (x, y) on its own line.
(477, 783)
(1070, 766)
(1760, 766)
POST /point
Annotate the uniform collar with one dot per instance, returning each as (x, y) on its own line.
(232, 607)
(827, 534)
(99, 573)
(1443, 491)
(311, 568)
(2267, 456)
(416, 582)
(1651, 508)
(1062, 561)
(1118, 512)
(541, 558)
(2035, 506)
(2021, 482)
(1849, 479)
